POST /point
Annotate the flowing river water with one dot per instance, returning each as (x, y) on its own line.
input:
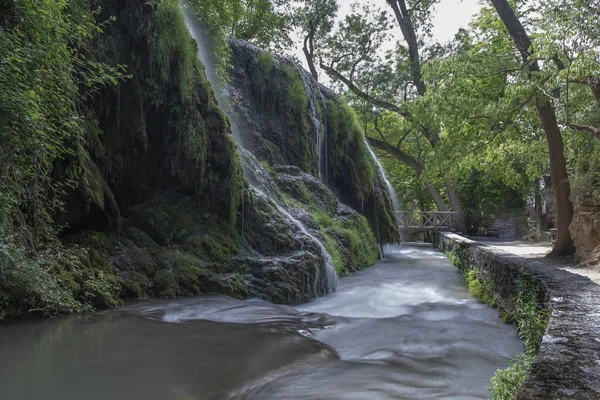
(404, 329)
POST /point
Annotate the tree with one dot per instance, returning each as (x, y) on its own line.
(571, 35)
(558, 171)
(394, 82)
(315, 19)
(265, 23)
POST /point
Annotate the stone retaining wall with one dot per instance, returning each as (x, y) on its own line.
(568, 366)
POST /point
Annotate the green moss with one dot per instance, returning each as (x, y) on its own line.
(531, 316)
(214, 241)
(480, 289)
(349, 241)
(172, 50)
(135, 285)
(164, 223)
(215, 249)
(165, 284)
(296, 90)
(265, 61)
(186, 271)
(232, 285)
(333, 248)
(350, 160)
(353, 171)
(268, 167)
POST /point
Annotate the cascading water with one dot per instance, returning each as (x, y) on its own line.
(331, 277)
(390, 188)
(258, 177)
(319, 128)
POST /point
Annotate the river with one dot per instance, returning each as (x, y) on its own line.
(406, 328)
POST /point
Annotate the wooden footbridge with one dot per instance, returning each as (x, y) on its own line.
(426, 220)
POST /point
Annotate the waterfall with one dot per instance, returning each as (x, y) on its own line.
(390, 188)
(331, 277)
(258, 177)
(319, 129)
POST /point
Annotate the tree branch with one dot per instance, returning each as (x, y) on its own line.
(585, 128)
(399, 154)
(363, 95)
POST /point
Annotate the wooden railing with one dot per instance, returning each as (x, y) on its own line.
(426, 220)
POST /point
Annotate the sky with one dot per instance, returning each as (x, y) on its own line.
(449, 16)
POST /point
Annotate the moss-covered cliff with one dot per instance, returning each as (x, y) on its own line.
(285, 117)
(148, 197)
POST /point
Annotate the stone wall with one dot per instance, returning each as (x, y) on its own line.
(568, 365)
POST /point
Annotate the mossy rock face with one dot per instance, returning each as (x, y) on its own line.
(273, 103)
(186, 270)
(290, 119)
(160, 130)
(140, 238)
(346, 234)
(284, 280)
(267, 231)
(165, 284)
(135, 285)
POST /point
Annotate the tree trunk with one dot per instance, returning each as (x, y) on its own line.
(455, 205)
(411, 162)
(560, 181)
(558, 170)
(309, 52)
(437, 199)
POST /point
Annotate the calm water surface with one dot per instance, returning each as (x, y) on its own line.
(404, 329)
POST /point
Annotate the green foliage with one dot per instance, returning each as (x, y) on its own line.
(506, 382)
(484, 197)
(587, 169)
(265, 23)
(532, 317)
(45, 76)
(69, 281)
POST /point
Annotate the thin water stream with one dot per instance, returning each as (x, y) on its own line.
(404, 329)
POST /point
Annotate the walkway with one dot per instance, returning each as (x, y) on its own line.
(538, 251)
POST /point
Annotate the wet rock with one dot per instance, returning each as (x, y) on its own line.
(285, 280)
(295, 125)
